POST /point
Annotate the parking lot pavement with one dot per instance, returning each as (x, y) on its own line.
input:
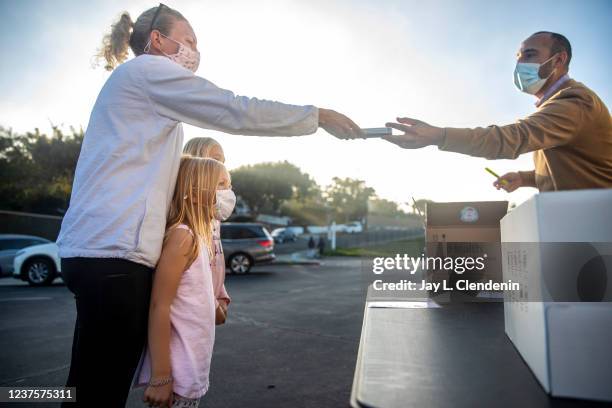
(291, 339)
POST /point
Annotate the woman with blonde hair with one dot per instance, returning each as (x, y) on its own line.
(182, 313)
(209, 147)
(112, 234)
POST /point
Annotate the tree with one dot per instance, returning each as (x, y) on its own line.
(420, 206)
(348, 198)
(385, 207)
(37, 170)
(305, 212)
(265, 186)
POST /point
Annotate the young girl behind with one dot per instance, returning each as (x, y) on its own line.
(209, 147)
(176, 364)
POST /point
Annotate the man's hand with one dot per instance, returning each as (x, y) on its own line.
(417, 134)
(513, 181)
(338, 125)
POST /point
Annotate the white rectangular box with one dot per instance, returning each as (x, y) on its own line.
(557, 245)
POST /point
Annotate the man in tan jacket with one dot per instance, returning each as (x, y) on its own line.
(570, 133)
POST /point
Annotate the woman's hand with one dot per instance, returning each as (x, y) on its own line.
(509, 182)
(159, 396)
(338, 125)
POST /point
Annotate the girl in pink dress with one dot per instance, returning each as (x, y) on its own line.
(209, 147)
(176, 364)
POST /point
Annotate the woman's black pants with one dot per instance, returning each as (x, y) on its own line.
(112, 301)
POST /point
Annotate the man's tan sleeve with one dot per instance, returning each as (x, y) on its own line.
(555, 124)
(528, 178)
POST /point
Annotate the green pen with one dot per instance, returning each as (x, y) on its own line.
(494, 174)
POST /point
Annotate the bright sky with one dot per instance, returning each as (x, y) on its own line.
(448, 63)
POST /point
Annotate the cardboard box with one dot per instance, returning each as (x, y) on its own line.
(557, 245)
(465, 229)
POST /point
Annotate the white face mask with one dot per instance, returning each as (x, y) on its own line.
(527, 76)
(224, 206)
(185, 56)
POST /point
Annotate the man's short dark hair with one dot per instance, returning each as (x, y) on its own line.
(560, 43)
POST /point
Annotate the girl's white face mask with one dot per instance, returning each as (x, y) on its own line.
(224, 206)
(185, 56)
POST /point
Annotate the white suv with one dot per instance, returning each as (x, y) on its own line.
(38, 264)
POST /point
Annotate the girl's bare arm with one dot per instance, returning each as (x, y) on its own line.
(172, 263)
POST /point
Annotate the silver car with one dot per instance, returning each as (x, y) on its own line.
(10, 244)
(282, 235)
(246, 244)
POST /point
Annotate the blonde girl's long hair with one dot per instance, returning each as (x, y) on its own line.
(193, 201)
(200, 146)
(134, 35)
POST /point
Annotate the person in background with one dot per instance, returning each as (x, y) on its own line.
(209, 147)
(570, 133)
(321, 245)
(112, 233)
(311, 247)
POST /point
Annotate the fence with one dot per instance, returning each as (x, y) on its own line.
(367, 238)
(40, 225)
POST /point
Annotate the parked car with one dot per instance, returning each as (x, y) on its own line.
(246, 244)
(281, 235)
(10, 244)
(297, 230)
(353, 227)
(38, 265)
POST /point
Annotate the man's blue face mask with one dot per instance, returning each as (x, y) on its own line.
(527, 77)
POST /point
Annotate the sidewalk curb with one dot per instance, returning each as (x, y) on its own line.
(295, 258)
(296, 262)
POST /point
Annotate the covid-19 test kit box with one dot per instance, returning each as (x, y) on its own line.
(465, 229)
(557, 245)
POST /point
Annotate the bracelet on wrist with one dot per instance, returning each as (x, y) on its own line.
(160, 381)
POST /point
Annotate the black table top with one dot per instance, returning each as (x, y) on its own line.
(454, 356)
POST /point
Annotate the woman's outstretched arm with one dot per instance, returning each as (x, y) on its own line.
(178, 94)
